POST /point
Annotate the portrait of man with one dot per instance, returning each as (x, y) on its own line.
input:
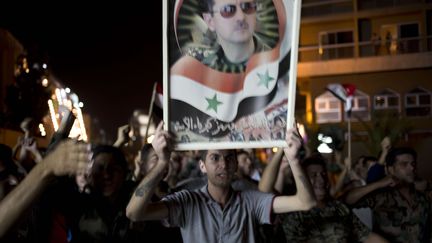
(229, 63)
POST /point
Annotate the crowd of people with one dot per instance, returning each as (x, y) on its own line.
(83, 193)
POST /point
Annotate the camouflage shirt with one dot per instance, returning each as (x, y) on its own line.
(214, 57)
(396, 219)
(334, 223)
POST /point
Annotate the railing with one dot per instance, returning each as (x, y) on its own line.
(326, 52)
(395, 46)
(372, 4)
(320, 8)
(366, 49)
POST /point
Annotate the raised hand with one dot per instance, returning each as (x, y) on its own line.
(68, 158)
(386, 144)
(162, 143)
(294, 142)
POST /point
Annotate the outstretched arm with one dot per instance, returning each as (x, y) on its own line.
(304, 198)
(67, 159)
(354, 195)
(270, 173)
(338, 187)
(139, 207)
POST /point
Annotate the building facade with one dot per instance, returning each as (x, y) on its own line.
(383, 47)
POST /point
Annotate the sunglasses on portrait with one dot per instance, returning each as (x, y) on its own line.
(229, 10)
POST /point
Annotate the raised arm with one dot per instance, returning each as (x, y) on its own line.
(304, 199)
(385, 147)
(139, 207)
(338, 187)
(270, 173)
(354, 195)
(68, 158)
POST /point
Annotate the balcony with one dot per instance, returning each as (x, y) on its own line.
(313, 8)
(374, 4)
(396, 54)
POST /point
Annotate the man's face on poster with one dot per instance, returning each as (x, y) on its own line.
(233, 21)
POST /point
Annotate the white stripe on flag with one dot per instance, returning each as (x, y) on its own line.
(195, 94)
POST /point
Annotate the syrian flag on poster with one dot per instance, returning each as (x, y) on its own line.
(225, 103)
(344, 92)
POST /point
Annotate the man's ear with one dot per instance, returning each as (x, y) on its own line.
(202, 167)
(208, 18)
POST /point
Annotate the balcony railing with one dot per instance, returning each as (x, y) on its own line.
(366, 49)
(326, 52)
(320, 8)
(372, 4)
(395, 46)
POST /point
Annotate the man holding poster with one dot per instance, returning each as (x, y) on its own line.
(230, 83)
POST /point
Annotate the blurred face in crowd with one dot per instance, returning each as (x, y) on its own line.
(244, 164)
(361, 168)
(107, 174)
(220, 166)
(404, 168)
(319, 180)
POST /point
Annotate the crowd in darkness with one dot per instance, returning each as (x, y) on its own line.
(78, 193)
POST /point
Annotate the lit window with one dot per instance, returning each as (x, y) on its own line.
(387, 100)
(418, 103)
(328, 108)
(360, 107)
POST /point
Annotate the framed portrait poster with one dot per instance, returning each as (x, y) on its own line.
(230, 72)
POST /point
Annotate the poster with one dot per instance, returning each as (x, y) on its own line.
(230, 71)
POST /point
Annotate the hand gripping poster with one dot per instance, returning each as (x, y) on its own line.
(230, 72)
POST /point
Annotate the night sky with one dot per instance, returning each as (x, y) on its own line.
(108, 55)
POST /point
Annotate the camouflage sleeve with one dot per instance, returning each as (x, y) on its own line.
(368, 201)
(293, 228)
(359, 230)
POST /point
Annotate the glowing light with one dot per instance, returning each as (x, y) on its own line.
(302, 131)
(45, 82)
(324, 139)
(324, 148)
(274, 149)
(44, 66)
(42, 130)
(81, 105)
(53, 115)
(58, 95)
(67, 90)
(27, 70)
(63, 93)
(150, 139)
(82, 125)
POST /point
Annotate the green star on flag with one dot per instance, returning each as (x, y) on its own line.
(265, 79)
(213, 103)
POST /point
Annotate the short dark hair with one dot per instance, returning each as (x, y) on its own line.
(314, 160)
(203, 154)
(394, 152)
(364, 159)
(114, 151)
(207, 6)
(241, 151)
